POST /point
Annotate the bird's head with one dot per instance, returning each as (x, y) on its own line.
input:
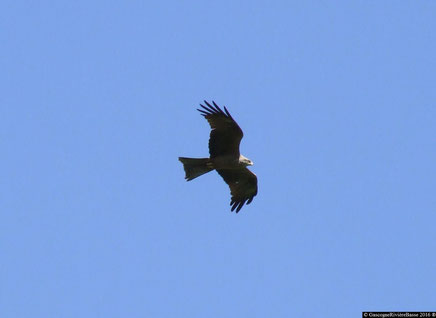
(245, 161)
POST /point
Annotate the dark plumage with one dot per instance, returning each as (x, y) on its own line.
(225, 137)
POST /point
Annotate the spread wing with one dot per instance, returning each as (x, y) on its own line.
(226, 135)
(243, 186)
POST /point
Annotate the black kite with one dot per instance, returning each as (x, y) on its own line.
(225, 158)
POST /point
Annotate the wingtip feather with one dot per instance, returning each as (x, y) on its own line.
(227, 112)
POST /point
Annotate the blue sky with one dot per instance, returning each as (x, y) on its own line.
(337, 103)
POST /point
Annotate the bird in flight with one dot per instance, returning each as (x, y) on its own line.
(225, 137)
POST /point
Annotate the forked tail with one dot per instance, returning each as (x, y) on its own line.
(195, 167)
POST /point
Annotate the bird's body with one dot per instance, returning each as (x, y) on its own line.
(225, 158)
(230, 162)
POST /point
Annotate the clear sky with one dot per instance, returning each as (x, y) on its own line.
(337, 100)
